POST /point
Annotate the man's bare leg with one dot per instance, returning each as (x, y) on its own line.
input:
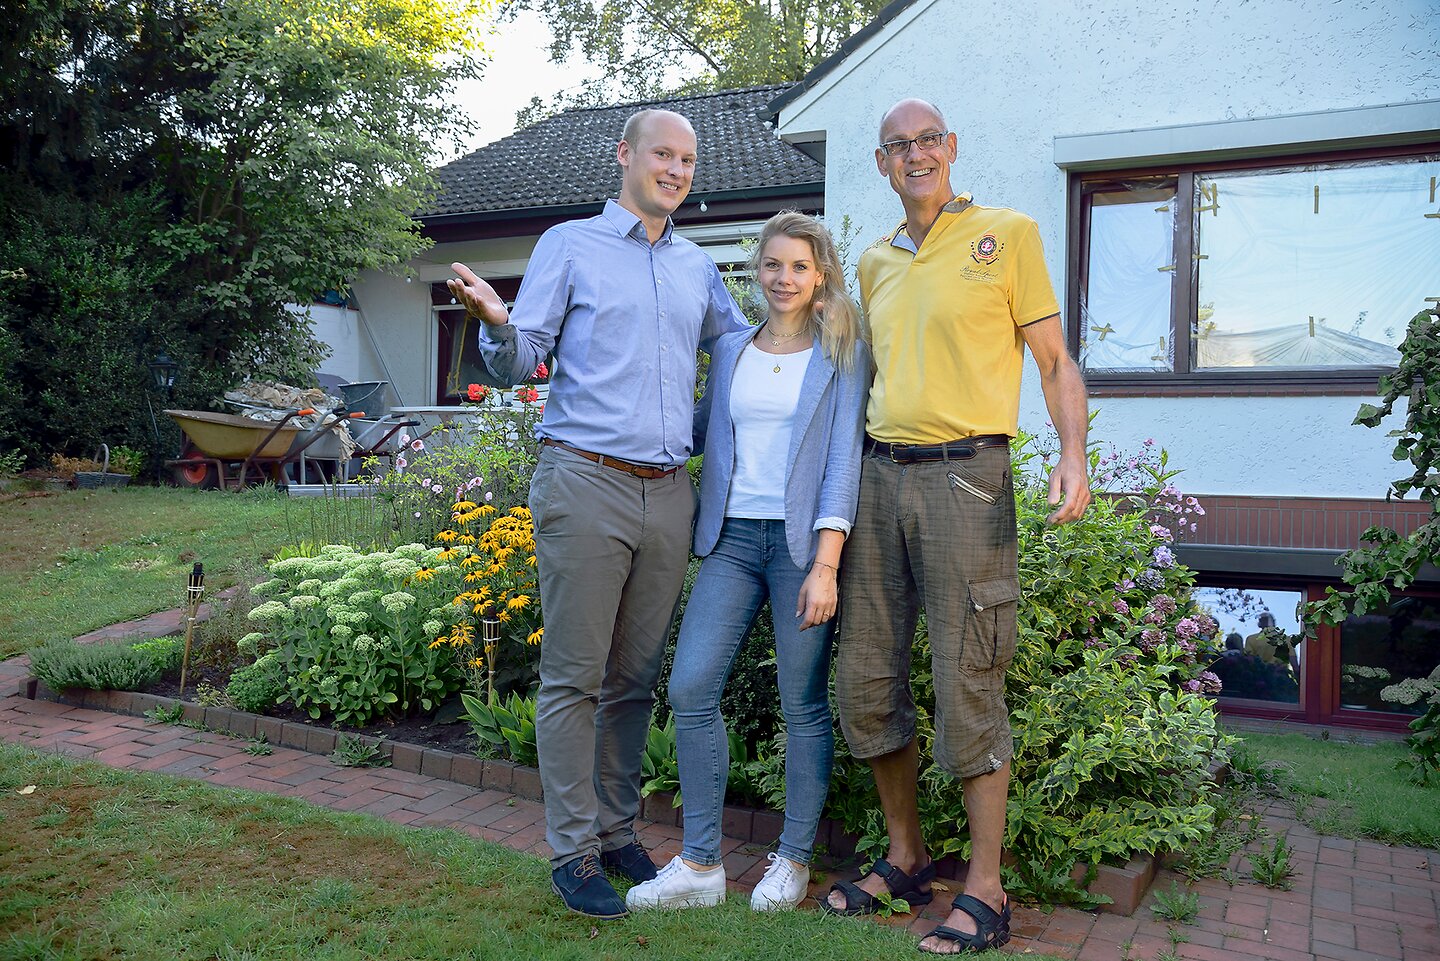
(985, 800)
(896, 780)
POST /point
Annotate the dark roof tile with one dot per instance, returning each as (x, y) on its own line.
(570, 158)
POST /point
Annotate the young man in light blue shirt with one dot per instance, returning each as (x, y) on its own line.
(623, 304)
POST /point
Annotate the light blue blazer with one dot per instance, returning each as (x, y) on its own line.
(822, 473)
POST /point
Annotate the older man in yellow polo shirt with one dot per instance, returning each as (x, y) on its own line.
(953, 297)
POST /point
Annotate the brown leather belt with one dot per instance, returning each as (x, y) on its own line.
(962, 449)
(643, 471)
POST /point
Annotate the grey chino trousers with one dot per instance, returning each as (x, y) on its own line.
(612, 551)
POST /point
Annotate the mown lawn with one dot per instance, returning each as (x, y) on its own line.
(1350, 790)
(101, 864)
(74, 561)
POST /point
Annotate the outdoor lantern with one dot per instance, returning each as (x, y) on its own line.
(490, 638)
(194, 590)
(162, 372)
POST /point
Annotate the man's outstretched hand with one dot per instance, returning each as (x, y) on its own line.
(477, 297)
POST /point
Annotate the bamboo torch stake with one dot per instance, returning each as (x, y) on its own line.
(193, 592)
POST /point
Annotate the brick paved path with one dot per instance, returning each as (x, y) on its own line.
(1351, 900)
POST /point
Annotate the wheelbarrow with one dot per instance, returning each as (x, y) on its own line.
(230, 452)
(323, 455)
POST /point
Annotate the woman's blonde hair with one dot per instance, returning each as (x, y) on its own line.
(836, 319)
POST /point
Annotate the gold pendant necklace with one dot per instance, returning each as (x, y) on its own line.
(776, 338)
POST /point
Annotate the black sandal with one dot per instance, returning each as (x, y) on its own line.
(900, 884)
(991, 930)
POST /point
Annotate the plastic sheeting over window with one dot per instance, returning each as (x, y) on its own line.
(1126, 316)
(1314, 267)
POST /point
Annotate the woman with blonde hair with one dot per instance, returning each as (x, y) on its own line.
(781, 424)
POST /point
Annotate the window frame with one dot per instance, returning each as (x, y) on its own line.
(440, 304)
(1184, 299)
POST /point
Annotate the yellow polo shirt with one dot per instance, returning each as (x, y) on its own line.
(945, 323)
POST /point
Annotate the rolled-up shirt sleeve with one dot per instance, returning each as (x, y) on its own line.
(512, 351)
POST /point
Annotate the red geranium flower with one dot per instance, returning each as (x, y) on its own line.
(527, 395)
(476, 392)
(542, 371)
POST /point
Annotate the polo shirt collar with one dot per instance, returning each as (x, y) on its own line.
(627, 224)
(902, 240)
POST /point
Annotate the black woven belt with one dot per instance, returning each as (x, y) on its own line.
(963, 449)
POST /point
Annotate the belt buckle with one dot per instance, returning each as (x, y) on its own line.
(901, 448)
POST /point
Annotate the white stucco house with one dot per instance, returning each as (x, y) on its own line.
(1239, 207)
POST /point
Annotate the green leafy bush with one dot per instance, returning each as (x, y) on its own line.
(355, 633)
(110, 666)
(1387, 561)
(166, 651)
(127, 460)
(504, 727)
(257, 687)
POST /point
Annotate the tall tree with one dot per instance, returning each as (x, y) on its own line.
(651, 47)
(174, 172)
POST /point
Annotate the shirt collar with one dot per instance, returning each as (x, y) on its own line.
(626, 223)
(902, 240)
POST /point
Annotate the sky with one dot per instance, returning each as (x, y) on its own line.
(519, 69)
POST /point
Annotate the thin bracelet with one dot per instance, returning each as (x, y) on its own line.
(823, 564)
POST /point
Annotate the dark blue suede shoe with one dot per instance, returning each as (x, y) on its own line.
(629, 861)
(582, 885)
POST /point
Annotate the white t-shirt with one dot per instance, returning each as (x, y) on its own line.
(762, 408)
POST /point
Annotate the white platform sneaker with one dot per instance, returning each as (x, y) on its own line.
(679, 886)
(783, 886)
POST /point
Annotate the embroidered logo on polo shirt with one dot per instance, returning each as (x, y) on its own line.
(986, 250)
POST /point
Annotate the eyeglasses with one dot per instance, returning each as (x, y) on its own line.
(926, 141)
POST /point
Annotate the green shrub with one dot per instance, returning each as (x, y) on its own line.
(1387, 561)
(353, 632)
(111, 666)
(127, 460)
(257, 687)
(1113, 734)
(166, 651)
(504, 727)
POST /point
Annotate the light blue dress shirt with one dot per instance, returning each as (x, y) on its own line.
(623, 319)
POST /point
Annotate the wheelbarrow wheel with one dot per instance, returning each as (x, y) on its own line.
(199, 476)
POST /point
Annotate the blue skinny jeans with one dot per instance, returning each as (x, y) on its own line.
(750, 562)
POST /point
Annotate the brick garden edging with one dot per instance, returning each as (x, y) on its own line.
(1126, 885)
